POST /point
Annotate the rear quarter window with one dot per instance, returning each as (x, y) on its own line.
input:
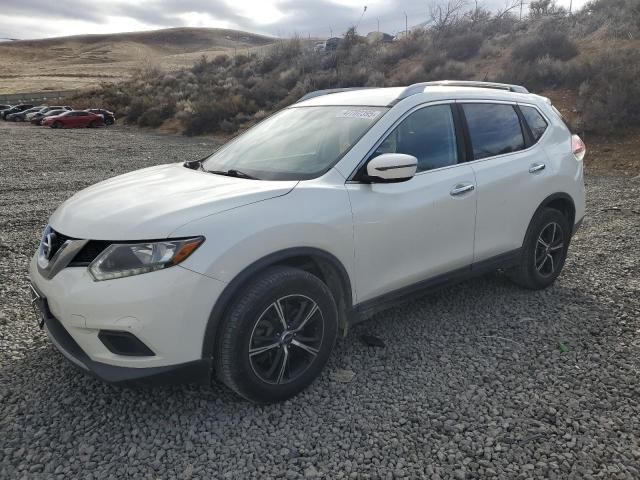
(537, 124)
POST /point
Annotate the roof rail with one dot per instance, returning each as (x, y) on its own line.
(419, 87)
(328, 91)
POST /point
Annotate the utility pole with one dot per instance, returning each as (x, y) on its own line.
(570, 5)
(378, 20)
(521, 9)
(406, 25)
(330, 32)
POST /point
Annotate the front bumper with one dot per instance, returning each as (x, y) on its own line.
(197, 371)
(167, 310)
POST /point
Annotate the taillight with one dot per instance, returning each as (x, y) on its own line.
(578, 147)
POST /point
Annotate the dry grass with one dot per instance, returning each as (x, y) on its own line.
(80, 61)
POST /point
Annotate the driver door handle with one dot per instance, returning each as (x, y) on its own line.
(536, 167)
(461, 188)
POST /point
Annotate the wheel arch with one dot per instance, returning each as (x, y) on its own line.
(318, 262)
(560, 201)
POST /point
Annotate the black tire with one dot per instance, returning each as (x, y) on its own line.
(108, 122)
(56, 125)
(544, 250)
(254, 323)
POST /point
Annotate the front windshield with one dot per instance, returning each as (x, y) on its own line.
(295, 144)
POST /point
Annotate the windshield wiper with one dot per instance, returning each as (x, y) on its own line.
(232, 172)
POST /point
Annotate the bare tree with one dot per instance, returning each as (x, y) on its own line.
(444, 16)
(509, 6)
(477, 16)
(543, 8)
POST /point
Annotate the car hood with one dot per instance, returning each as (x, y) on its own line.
(153, 202)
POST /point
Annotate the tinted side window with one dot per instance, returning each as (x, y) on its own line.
(428, 134)
(494, 129)
(537, 123)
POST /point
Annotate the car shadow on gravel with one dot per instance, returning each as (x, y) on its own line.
(428, 341)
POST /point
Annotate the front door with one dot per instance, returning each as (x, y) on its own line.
(415, 230)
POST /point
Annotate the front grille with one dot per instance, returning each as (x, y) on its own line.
(89, 253)
(85, 256)
(57, 240)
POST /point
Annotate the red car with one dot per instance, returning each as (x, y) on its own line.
(74, 119)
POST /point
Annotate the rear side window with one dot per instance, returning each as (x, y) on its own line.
(494, 129)
(428, 134)
(537, 123)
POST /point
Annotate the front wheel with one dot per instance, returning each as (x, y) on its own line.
(544, 250)
(277, 336)
(56, 125)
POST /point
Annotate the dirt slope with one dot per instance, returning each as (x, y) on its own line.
(78, 61)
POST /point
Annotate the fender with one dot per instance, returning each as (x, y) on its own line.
(221, 305)
(555, 197)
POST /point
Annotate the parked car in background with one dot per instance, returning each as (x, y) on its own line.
(331, 44)
(109, 117)
(16, 109)
(22, 116)
(44, 110)
(4, 107)
(74, 119)
(248, 263)
(37, 118)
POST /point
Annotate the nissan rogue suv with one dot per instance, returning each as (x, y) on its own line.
(247, 264)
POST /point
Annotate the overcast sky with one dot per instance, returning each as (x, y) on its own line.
(50, 18)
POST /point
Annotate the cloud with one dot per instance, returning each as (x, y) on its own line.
(48, 11)
(38, 18)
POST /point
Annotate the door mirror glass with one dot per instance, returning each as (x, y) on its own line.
(392, 167)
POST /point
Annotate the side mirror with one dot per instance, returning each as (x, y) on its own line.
(391, 167)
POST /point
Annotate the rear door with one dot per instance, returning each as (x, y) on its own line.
(510, 169)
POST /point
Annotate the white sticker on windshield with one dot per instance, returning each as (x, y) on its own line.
(358, 113)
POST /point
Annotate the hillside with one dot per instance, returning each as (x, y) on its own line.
(84, 60)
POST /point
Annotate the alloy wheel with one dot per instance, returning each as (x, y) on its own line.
(549, 249)
(286, 339)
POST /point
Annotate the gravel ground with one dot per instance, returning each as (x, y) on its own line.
(481, 380)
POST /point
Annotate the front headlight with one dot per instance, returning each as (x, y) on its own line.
(125, 259)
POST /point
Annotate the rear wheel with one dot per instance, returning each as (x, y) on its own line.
(277, 336)
(544, 251)
(93, 124)
(56, 125)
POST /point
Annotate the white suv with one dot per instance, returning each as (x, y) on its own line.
(248, 263)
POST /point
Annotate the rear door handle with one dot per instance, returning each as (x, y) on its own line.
(536, 167)
(461, 188)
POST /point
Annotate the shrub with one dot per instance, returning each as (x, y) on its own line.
(463, 47)
(610, 99)
(376, 79)
(433, 59)
(156, 116)
(554, 44)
